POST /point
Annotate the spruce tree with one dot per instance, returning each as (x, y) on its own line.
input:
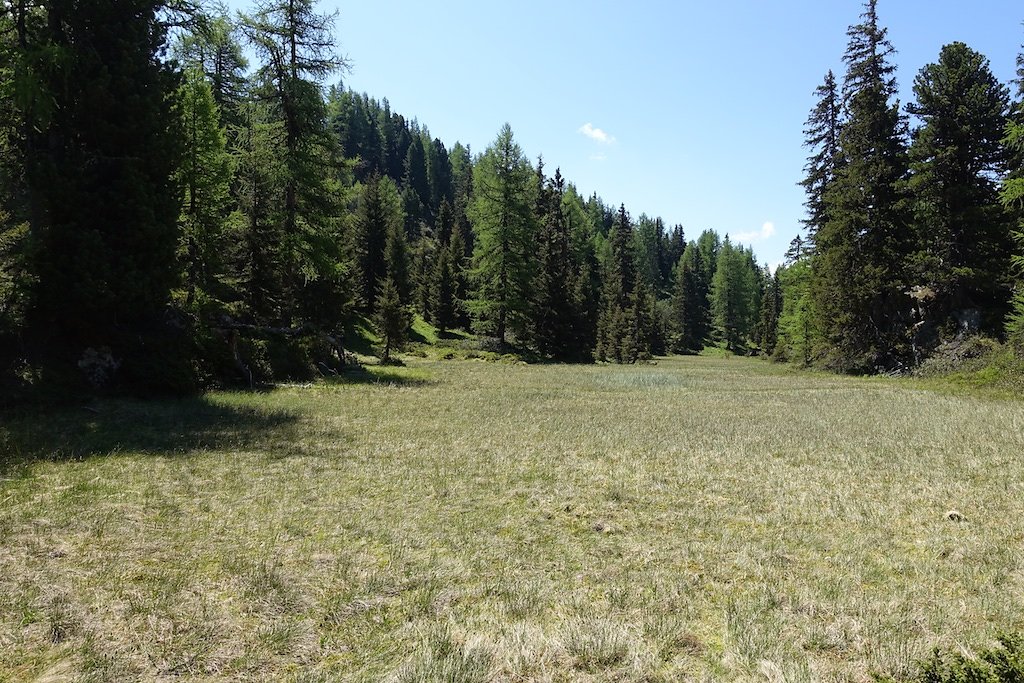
(617, 326)
(259, 172)
(378, 214)
(1012, 195)
(460, 270)
(821, 136)
(689, 303)
(100, 176)
(860, 300)
(398, 262)
(443, 305)
(503, 228)
(771, 309)
(553, 313)
(957, 152)
(392, 319)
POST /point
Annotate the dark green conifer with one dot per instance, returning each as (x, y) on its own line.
(392, 319)
(963, 233)
(861, 282)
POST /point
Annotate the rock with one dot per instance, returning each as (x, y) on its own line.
(955, 516)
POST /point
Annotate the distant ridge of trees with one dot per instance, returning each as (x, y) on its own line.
(171, 218)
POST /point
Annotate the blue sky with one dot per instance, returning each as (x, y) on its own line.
(692, 111)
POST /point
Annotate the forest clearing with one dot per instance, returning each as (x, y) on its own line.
(697, 518)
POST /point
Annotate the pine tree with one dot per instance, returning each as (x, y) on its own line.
(956, 155)
(503, 227)
(860, 298)
(821, 136)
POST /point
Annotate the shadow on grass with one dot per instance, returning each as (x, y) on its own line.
(157, 427)
(394, 375)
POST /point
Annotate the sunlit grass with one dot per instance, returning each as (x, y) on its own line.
(701, 518)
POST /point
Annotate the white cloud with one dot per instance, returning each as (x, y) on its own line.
(767, 230)
(598, 157)
(596, 134)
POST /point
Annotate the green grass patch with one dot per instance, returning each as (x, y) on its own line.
(695, 518)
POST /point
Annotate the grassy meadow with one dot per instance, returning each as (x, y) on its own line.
(469, 521)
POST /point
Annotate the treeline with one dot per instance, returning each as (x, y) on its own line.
(173, 217)
(910, 227)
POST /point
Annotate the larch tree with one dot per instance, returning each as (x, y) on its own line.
(213, 49)
(204, 176)
(504, 232)
(297, 52)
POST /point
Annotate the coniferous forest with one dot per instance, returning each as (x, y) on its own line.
(191, 199)
(292, 389)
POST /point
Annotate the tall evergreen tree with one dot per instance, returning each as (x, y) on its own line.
(1012, 195)
(689, 303)
(259, 172)
(617, 326)
(392, 319)
(443, 304)
(378, 214)
(771, 309)
(398, 262)
(503, 226)
(205, 176)
(861, 304)
(100, 174)
(214, 50)
(296, 48)
(821, 136)
(460, 275)
(957, 152)
(554, 312)
(416, 169)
